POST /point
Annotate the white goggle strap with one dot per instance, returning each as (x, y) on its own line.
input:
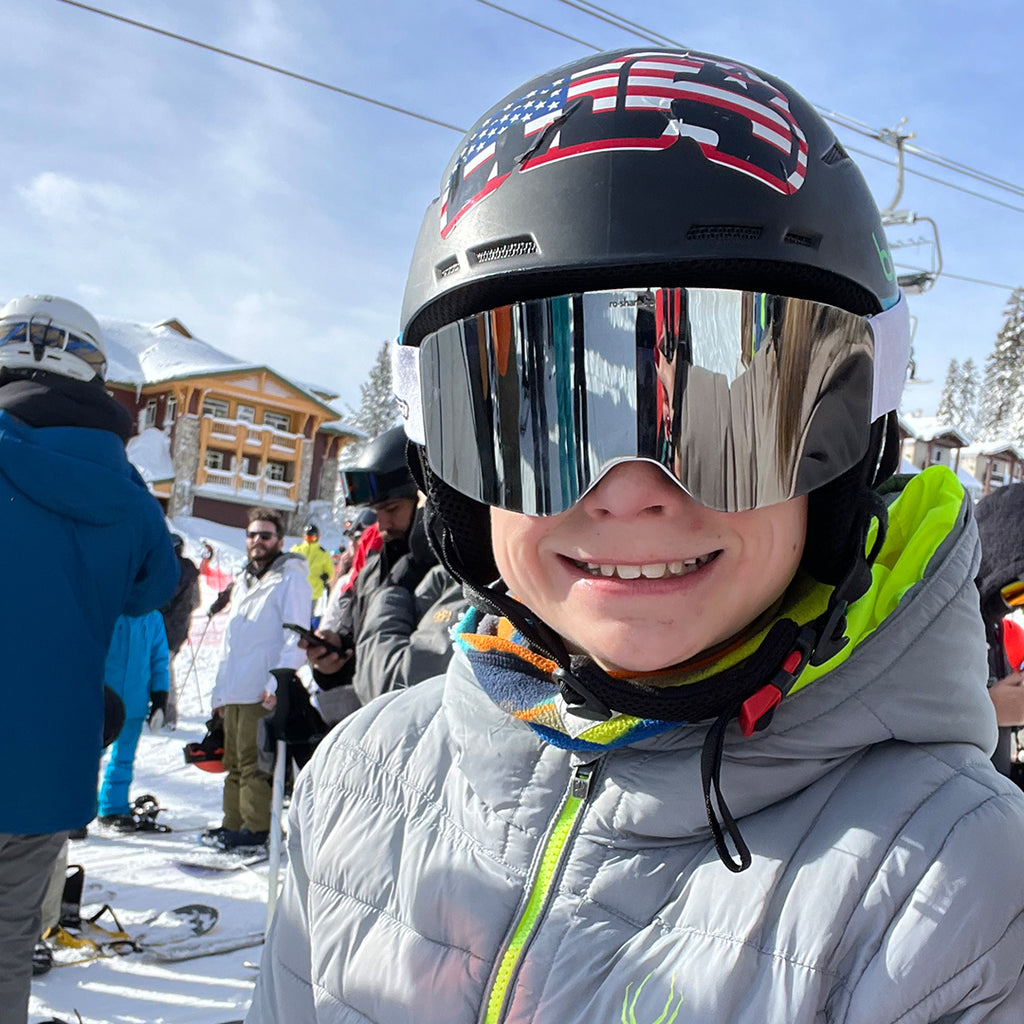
(890, 329)
(405, 379)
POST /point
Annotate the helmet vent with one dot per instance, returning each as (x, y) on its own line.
(724, 232)
(447, 269)
(835, 154)
(505, 250)
(808, 241)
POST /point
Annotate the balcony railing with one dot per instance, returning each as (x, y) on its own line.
(246, 485)
(241, 434)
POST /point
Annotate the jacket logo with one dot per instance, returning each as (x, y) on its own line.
(668, 1012)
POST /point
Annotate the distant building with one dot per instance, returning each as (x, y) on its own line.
(215, 435)
(981, 468)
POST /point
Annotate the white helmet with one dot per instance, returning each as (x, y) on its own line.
(42, 332)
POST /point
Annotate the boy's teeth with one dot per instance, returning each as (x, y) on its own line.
(652, 571)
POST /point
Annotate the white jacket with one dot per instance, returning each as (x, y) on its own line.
(254, 639)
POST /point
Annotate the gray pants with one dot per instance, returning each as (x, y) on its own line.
(25, 866)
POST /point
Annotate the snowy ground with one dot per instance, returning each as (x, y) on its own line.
(137, 875)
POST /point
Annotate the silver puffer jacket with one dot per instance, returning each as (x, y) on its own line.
(449, 867)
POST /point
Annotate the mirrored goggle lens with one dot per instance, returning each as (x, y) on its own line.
(1013, 594)
(49, 335)
(745, 398)
(365, 488)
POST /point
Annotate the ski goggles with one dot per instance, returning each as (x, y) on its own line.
(44, 334)
(1013, 594)
(745, 399)
(364, 487)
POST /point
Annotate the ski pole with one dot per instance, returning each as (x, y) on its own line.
(192, 667)
(276, 809)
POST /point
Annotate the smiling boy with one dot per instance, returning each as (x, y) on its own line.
(714, 743)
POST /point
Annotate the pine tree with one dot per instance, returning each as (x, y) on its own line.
(378, 408)
(947, 400)
(1003, 413)
(966, 407)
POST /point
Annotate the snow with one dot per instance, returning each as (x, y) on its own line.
(136, 873)
(150, 453)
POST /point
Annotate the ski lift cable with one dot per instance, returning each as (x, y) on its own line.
(938, 181)
(539, 24)
(847, 122)
(610, 18)
(262, 64)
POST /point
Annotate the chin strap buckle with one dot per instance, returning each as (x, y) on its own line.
(757, 710)
(578, 697)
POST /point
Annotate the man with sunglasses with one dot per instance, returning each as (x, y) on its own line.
(271, 589)
(64, 476)
(1001, 588)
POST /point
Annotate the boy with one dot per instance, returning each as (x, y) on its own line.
(714, 743)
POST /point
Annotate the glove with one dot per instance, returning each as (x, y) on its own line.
(157, 709)
(325, 579)
(221, 602)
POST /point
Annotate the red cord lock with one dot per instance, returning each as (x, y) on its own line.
(757, 710)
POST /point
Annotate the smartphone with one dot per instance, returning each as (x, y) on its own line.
(314, 640)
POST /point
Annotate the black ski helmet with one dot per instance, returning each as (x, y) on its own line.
(311, 528)
(657, 166)
(380, 472)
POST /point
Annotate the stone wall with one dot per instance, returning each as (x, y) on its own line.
(185, 458)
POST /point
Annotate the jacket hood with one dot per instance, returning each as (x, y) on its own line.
(1000, 518)
(78, 472)
(918, 676)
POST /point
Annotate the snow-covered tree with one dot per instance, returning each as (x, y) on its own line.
(1003, 405)
(378, 408)
(947, 400)
(966, 400)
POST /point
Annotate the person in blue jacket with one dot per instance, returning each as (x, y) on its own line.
(64, 475)
(136, 670)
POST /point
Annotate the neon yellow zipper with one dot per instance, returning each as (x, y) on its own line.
(540, 889)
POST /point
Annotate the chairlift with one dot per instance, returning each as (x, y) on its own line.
(914, 280)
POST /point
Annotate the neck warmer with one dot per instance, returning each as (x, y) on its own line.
(50, 400)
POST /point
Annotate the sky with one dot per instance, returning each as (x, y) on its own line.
(146, 178)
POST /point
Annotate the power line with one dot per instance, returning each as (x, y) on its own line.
(847, 122)
(539, 24)
(263, 64)
(650, 35)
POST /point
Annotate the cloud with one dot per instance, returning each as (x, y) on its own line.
(58, 197)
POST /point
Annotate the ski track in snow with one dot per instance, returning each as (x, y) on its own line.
(136, 875)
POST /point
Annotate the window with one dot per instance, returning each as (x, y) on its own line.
(276, 471)
(215, 407)
(170, 411)
(277, 420)
(149, 414)
(937, 456)
(217, 459)
(246, 413)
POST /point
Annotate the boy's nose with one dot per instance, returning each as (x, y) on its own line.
(634, 488)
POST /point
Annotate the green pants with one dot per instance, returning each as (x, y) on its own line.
(246, 788)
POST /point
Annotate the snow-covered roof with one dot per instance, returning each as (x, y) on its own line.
(928, 428)
(141, 354)
(994, 448)
(138, 354)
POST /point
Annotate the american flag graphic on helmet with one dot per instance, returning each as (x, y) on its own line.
(736, 118)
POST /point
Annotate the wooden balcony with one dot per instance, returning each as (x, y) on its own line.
(228, 482)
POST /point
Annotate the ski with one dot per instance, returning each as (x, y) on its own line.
(214, 863)
(193, 949)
